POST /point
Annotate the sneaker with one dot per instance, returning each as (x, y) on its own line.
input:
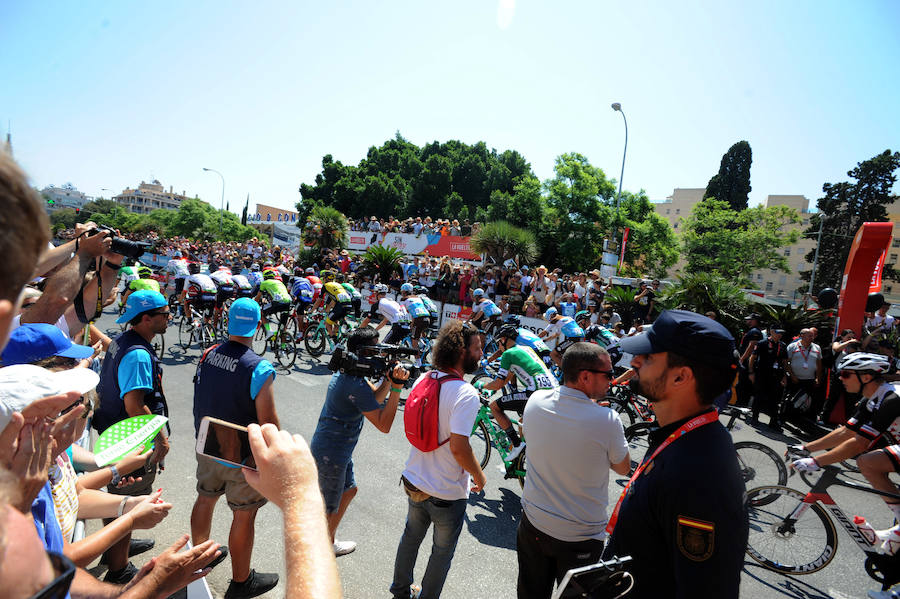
(122, 576)
(255, 585)
(514, 452)
(344, 547)
(891, 537)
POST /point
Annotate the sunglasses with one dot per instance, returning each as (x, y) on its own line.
(607, 373)
(58, 588)
(160, 313)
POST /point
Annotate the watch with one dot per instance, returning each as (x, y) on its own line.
(116, 478)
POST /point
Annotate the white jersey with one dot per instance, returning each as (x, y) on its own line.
(178, 267)
(241, 281)
(222, 277)
(202, 282)
(394, 312)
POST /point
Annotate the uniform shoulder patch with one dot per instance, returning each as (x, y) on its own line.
(696, 539)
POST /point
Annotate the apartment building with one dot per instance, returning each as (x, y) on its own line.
(149, 197)
(64, 196)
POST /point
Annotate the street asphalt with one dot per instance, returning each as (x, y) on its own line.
(485, 562)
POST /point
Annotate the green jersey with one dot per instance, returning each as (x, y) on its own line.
(352, 290)
(275, 290)
(528, 368)
(140, 284)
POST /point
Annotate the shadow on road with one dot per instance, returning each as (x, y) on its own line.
(784, 585)
(498, 528)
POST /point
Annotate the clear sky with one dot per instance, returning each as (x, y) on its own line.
(106, 94)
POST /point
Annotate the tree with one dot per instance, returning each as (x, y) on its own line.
(99, 205)
(382, 260)
(244, 213)
(651, 247)
(846, 205)
(326, 227)
(500, 240)
(64, 218)
(732, 183)
(735, 243)
(704, 291)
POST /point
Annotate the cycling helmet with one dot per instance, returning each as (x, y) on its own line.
(550, 313)
(582, 314)
(327, 275)
(310, 271)
(339, 278)
(865, 362)
(381, 288)
(508, 331)
(255, 267)
(145, 272)
(193, 268)
(406, 288)
(270, 275)
(478, 292)
(513, 320)
(298, 271)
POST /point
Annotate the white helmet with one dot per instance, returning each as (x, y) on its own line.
(478, 292)
(406, 288)
(381, 288)
(865, 362)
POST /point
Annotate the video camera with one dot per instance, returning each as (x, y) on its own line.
(120, 245)
(370, 361)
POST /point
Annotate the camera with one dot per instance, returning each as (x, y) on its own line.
(120, 245)
(381, 359)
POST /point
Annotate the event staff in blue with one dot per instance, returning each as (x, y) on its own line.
(233, 384)
(350, 398)
(131, 385)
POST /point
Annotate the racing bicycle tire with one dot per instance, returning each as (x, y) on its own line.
(760, 466)
(315, 340)
(185, 334)
(481, 436)
(519, 466)
(260, 340)
(802, 547)
(159, 345)
(621, 407)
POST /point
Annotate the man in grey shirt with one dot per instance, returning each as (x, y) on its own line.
(572, 445)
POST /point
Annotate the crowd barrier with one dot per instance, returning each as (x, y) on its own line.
(434, 245)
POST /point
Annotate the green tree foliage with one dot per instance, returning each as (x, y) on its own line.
(622, 301)
(794, 319)
(732, 183)
(652, 247)
(381, 260)
(500, 240)
(64, 218)
(99, 205)
(704, 291)
(734, 243)
(326, 228)
(846, 206)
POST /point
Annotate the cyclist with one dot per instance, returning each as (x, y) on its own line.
(127, 274)
(421, 317)
(390, 312)
(874, 428)
(224, 290)
(177, 267)
(255, 277)
(527, 339)
(199, 291)
(335, 299)
(274, 298)
(355, 295)
(302, 291)
(145, 280)
(315, 281)
(595, 333)
(242, 285)
(522, 363)
(432, 308)
(485, 313)
(563, 328)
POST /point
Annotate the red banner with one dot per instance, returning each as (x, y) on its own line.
(867, 251)
(624, 241)
(875, 284)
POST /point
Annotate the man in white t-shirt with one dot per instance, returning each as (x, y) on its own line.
(572, 445)
(438, 482)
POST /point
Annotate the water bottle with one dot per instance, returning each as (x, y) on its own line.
(863, 526)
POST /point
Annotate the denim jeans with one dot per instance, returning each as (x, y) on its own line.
(447, 517)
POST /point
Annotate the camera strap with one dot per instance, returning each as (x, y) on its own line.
(79, 298)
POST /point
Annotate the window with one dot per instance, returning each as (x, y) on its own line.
(769, 286)
(781, 292)
(678, 211)
(895, 243)
(669, 210)
(675, 226)
(782, 280)
(787, 251)
(888, 288)
(893, 258)
(759, 277)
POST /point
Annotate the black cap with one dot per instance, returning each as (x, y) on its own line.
(687, 334)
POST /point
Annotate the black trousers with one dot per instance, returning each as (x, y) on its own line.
(544, 560)
(767, 397)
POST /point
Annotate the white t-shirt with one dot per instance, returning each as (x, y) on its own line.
(876, 321)
(62, 324)
(437, 472)
(394, 312)
(526, 281)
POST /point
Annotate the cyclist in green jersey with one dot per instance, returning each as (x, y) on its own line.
(274, 298)
(520, 362)
(355, 295)
(145, 280)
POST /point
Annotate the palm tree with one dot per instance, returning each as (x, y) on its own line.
(500, 240)
(326, 227)
(703, 292)
(622, 301)
(382, 260)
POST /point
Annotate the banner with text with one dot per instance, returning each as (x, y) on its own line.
(433, 245)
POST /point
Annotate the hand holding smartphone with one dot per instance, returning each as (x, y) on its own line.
(226, 443)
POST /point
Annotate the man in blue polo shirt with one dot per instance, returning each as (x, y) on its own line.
(233, 384)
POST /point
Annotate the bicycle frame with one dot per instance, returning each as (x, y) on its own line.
(498, 437)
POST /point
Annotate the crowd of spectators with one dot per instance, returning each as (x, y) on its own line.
(416, 226)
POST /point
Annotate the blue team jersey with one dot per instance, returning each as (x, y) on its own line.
(429, 305)
(571, 330)
(302, 289)
(416, 307)
(529, 339)
(568, 309)
(489, 308)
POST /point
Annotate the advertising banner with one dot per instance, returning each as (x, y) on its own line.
(433, 245)
(863, 265)
(875, 284)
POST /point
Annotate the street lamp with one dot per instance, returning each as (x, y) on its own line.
(222, 207)
(618, 108)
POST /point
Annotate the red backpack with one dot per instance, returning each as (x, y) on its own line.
(420, 414)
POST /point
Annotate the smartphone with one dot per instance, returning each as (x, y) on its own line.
(226, 443)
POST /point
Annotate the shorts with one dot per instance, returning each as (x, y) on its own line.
(397, 333)
(145, 487)
(202, 301)
(335, 478)
(419, 325)
(337, 313)
(213, 479)
(566, 343)
(179, 285)
(223, 293)
(893, 454)
(300, 307)
(275, 308)
(356, 304)
(514, 401)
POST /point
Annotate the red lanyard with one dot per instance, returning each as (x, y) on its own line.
(692, 424)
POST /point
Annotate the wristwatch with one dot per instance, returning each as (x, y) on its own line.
(116, 478)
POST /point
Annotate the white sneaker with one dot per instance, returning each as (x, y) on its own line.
(344, 547)
(891, 540)
(514, 453)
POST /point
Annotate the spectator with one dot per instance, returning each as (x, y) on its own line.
(643, 302)
(233, 384)
(438, 482)
(572, 444)
(748, 343)
(804, 368)
(767, 371)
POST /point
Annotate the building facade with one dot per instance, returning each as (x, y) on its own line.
(149, 197)
(65, 196)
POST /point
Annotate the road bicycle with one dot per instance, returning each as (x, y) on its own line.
(486, 433)
(630, 406)
(201, 331)
(794, 533)
(283, 343)
(759, 464)
(318, 341)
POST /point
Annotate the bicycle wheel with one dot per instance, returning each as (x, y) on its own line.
(781, 544)
(286, 340)
(519, 467)
(480, 440)
(621, 408)
(637, 437)
(159, 345)
(760, 466)
(185, 334)
(260, 338)
(315, 340)
(208, 336)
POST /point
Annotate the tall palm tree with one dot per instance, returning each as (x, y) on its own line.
(500, 240)
(326, 227)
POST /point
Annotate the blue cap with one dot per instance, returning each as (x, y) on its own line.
(243, 317)
(687, 334)
(36, 341)
(140, 302)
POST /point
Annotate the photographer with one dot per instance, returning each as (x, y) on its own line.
(350, 398)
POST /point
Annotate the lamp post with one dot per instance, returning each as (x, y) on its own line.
(812, 275)
(618, 108)
(222, 206)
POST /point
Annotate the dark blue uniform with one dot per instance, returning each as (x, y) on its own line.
(222, 385)
(684, 520)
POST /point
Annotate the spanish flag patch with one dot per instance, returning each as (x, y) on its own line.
(695, 538)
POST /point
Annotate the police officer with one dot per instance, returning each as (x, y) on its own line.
(767, 369)
(233, 384)
(683, 518)
(131, 385)
(748, 343)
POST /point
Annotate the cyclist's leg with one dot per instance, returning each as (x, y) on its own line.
(513, 401)
(875, 466)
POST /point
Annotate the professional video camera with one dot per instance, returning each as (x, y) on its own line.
(370, 360)
(120, 245)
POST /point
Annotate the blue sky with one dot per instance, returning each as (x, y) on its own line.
(106, 94)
